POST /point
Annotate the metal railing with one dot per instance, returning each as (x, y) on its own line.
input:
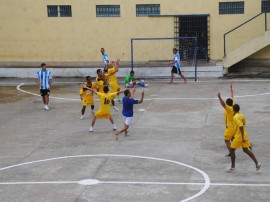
(265, 27)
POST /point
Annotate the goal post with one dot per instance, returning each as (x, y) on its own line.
(153, 52)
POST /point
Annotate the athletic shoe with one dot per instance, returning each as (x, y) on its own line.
(115, 108)
(228, 155)
(258, 166)
(82, 117)
(46, 107)
(146, 85)
(114, 127)
(230, 170)
(90, 129)
(93, 112)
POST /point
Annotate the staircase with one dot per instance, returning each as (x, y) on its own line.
(234, 57)
(247, 49)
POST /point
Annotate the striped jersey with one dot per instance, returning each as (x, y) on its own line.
(105, 57)
(177, 60)
(44, 78)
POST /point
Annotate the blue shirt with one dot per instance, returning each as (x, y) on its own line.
(105, 57)
(176, 58)
(128, 106)
(44, 78)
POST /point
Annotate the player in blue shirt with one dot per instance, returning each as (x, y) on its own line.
(127, 111)
(44, 80)
(105, 59)
(176, 66)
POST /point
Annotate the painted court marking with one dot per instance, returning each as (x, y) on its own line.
(88, 182)
(205, 185)
(73, 99)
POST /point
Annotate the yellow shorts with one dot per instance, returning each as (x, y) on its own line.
(87, 102)
(115, 87)
(239, 144)
(229, 133)
(101, 115)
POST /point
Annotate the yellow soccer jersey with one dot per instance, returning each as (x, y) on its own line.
(87, 95)
(112, 78)
(105, 102)
(99, 85)
(228, 116)
(239, 120)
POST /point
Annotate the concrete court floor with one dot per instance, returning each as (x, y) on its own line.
(174, 151)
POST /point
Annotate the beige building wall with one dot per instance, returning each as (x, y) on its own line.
(27, 34)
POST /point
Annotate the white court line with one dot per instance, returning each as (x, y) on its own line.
(30, 183)
(202, 190)
(142, 183)
(147, 99)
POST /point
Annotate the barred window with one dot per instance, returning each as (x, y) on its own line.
(147, 9)
(265, 6)
(108, 10)
(65, 11)
(59, 11)
(231, 7)
(52, 11)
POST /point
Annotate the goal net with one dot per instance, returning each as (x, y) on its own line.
(151, 56)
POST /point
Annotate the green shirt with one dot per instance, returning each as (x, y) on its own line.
(129, 78)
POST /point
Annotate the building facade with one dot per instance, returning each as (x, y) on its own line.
(62, 31)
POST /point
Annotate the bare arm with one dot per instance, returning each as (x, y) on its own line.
(172, 62)
(141, 100)
(117, 64)
(119, 92)
(50, 83)
(92, 90)
(38, 83)
(231, 90)
(132, 91)
(220, 100)
(116, 70)
(242, 133)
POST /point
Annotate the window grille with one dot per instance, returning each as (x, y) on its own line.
(52, 11)
(231, 7)
(147, 9)
(108, 10)
(65, 11)
(59, 11)
(265, 5)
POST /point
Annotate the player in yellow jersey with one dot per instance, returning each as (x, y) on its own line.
(241, 139)
(100, 81)
(103, 80)
(113, 79)
(104, 108)
(228, 118)
(87, 96)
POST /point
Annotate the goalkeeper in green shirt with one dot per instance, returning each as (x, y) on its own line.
(130, 81)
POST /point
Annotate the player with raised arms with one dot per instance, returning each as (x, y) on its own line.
(104, 108)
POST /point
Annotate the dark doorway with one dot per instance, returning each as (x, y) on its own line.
(196, 26)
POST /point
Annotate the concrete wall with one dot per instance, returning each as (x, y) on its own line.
(29, 35)
(26, 72)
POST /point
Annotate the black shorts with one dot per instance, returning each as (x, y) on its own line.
(44, 92)
(175, 70)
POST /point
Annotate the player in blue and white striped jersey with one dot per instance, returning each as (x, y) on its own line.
(105, 59)
(44, 80)
(176, 66)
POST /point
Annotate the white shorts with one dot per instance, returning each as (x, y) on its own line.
(128, 120)
(129, 84)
